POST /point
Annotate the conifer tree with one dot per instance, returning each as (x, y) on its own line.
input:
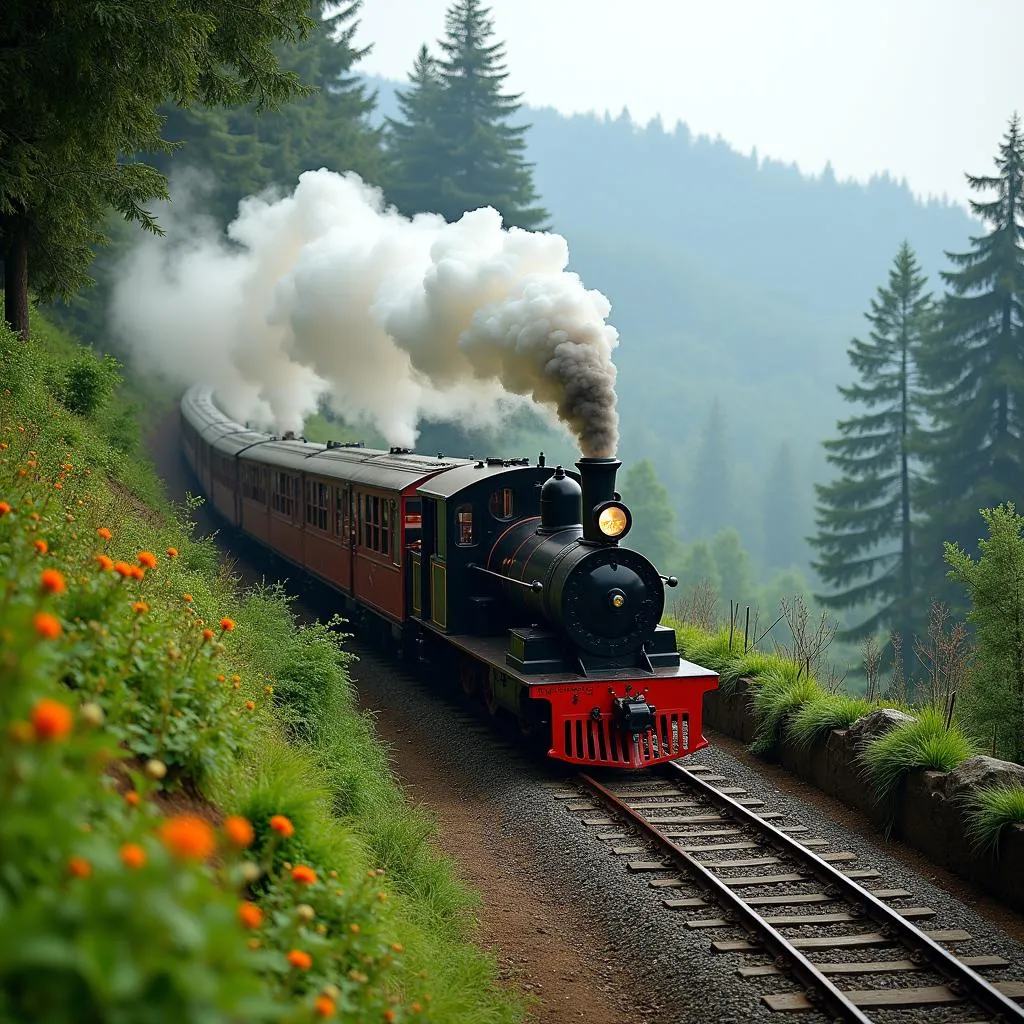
(472, 157)
(414, 146)
(654, 521)
(782, 502)
(710, 501)
(974, 371)
(865, 537)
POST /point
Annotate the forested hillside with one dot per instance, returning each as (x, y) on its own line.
(731, 278)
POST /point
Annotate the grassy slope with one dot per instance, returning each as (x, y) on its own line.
(255, 718)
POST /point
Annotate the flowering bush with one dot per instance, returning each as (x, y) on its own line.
(134, 683)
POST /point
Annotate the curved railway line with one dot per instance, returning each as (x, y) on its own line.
(802, 915)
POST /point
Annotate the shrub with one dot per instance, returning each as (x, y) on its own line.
(923, 743)
(989, 810)
(825, 712)
(89, 382)
(780, 692)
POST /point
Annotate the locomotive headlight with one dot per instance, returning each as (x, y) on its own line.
(613, 519)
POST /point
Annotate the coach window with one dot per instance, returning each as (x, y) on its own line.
(340, 506)
(317, 495)
(464, 526)
(502, 504)
(385, 528)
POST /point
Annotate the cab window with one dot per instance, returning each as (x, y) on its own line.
(502, 505)
(464, 526)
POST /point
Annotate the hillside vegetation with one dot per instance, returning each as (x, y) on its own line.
(196, 821)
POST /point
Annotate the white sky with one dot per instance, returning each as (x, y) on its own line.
(921, 88)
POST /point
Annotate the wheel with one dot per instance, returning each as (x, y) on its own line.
(469, 678)
(490, 700)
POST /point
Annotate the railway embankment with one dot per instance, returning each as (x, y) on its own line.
(932, 811)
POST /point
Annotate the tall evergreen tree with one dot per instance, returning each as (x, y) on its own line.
(865, 538)
(475, 157)
(654, 521)
(416, 150)
(782, 504)
(79, 88)
(710, 501)
(974, 370)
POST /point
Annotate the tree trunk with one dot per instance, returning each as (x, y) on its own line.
(15, 235)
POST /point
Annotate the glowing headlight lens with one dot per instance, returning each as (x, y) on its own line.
(612, 521)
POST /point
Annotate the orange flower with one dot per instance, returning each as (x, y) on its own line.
(250, 705)
(79, 867)
(105, 563)
(188, 837)
(389, 1016)
(104, 533)
(4, 508)
(172, 552)
(140, 607)
(124, 569)
(303, 874)
(52, 581)
(279, 823)
(187, 598)
(136, 572)
(51, 719)
(58, 486)
(250, 915)
(220, 679)
(324, 1006)
(133, 856)
(40, 546)
(227, 624)
(47, 626)
(207, 634)
(301, 959)
(148, 559)
(239, 831)
(131, 798)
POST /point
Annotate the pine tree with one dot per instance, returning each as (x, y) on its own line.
(733, 564)
(782, 502)
(79, 88)
(414, 146)
(475, 157)
(974, 370)
(654, 521)
(865, 537)
(710, 502)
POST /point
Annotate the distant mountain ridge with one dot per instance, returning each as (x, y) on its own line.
(729, 277)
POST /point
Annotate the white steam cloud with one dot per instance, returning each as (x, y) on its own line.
(326, 295)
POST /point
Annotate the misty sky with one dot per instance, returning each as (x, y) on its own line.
(923, 88)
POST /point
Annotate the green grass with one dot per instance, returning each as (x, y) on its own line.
(309, 753)
(781, 692)
(823, 713)
(925, 743)
(990, 810)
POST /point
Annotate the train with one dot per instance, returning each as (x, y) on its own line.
(509, 579)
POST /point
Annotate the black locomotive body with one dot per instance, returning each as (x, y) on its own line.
(510, 575)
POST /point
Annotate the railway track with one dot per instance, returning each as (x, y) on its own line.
(805, 913)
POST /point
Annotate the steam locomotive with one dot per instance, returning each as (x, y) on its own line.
(508, 576)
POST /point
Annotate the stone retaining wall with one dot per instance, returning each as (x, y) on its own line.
(929, 808)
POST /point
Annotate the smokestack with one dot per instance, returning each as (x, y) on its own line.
(598, 478)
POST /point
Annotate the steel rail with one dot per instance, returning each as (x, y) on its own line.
(963, 980)
(822, 992)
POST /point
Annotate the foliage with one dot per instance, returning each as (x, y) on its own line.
(711, 494)
(327, 900)
(990, 809)
(653, 531)
(864, 542)
(993, 704)
(244, 150)
(456, 150)
(925, 743)
(783, 512)
(824, 712)
(78, 100)
(90, 382)
(974, 390)
(780, 693)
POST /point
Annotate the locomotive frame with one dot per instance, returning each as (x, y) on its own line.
(428, 548)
